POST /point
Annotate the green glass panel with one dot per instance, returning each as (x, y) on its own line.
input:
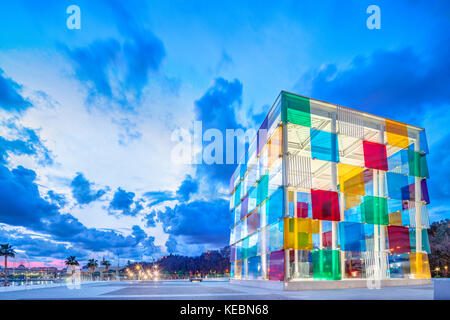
(263, 189)
(417, 164)
(303, 240)
(326, 265)
(296, 110)
(425, 241)
(244, 253)
(374, 210)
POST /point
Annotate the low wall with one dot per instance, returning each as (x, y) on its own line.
(326, 284)
(274, 285)
(348, 284)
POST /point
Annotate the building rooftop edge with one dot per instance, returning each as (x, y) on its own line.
(337, 105)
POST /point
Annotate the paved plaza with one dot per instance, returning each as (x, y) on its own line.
(210, 290)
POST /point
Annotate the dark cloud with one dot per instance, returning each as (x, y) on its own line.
(92, 65)
(198, 222)
(57, 198)
(82, 190)
(188, 187)
(217, 109)
(118, 70)
(123, 201)
(10, 98)
(390, 83)
(171, 244)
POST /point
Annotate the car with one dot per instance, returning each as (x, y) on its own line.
(195, 279)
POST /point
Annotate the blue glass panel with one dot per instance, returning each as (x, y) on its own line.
(324, 145)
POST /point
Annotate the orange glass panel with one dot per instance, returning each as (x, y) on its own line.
(351, 179)
(395, 218)
(274, 147)
(397, 134)
(420, 268)
(352, 200)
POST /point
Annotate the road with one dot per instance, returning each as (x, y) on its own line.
(210, 290)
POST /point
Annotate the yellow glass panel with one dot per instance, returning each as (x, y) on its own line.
(395, 218)
(298, 233)
(420, 267)
(351, 179)
(397, 134)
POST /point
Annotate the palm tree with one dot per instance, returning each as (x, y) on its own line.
(92, 264)
(71, 261)
(7, 251)
(106, 264)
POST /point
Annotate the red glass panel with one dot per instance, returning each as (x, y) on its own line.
(325, 205)
(398, 239)
(326, 237)
(375, 155)
(302, 210)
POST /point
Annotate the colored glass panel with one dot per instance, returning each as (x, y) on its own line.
(398, 239)
(263, 189)
(298, 233)
(326, 265)
(276, 265)
(417, 163)
(375, 155)
(253, 222)
(237, 195)
(274, 207)
(275, 145)
(351, 236)
(398, 162)
(397, 186)
(420, 267)
(351, 179)
(325, 205)
(423, 142)
(324, 145)
(374, 210)
(397, 134)
(395, 218)
(244, 207)
(254, 267)
(296, 110)
(399, 266)
(302, 209)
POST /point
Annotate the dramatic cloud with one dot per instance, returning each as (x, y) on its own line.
(217, 109)
(57, 198)
(123, 202)
(10, 98)
(118, 70)
(171, 244)
(188, 187)
(82, 190)
(391, 83)
(26, 142)
(198, 222)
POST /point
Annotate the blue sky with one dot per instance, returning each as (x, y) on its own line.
(87, 115)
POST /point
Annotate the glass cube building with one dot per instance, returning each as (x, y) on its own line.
(326, 192)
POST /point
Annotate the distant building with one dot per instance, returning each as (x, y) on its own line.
(326, 192)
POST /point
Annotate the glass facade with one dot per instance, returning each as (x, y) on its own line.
(329, 193)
